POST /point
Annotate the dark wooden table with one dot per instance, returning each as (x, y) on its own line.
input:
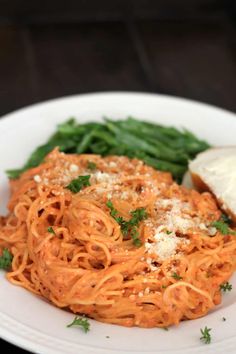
(187, 50)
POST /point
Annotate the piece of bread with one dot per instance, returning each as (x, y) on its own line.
(215, 170)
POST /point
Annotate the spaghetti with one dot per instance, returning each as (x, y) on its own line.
(71, 248)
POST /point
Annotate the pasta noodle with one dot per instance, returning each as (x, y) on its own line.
(70, 247)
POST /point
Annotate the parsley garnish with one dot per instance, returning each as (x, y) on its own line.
(130, 226)
(50, 229)
(91, 166)
(226, 287)
(168, 232)
(113, 211)
(165, 328)
(5, 259)
(82, 322)
(137, 216)
(176, 276)
(222, 225)
(78, 183)
(135, 237)
(206, 337)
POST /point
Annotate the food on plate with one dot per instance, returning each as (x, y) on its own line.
(215, 170)
(116, 240)
(164, 148)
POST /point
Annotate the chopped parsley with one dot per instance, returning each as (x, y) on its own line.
(226, 287)
(168, 232)
(176, 276)
(82, 322)
(135, 237)
(113, 211)
(129, 227)
(5, 259)
(91, 166)
(78, 183)
(165, 328)
(206, 337)
(137, 216)
(222, 225)
(50, 229)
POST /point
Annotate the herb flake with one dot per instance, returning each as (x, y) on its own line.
(226, 287)
(176, 276)
(82, 322)
(5, 259)
(50, 229)
(78, 183)
(223, 227)
(91, 166)
(129, 227)
(206, 337)
(135, 237)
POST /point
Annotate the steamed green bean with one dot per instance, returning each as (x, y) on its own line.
(162, 147)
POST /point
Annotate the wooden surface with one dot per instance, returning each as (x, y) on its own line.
(46, 54)
(193, 59)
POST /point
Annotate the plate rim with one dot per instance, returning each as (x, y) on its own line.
(173, 98)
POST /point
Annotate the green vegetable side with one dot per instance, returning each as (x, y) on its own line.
(164, 148)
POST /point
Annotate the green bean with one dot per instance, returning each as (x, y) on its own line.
(162, 147)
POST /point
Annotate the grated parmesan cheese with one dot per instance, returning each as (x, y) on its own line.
(202, 226)
(102, 177)
(73, 168)
(37, 179)
(112, 164)
(164, 245)
(124, 195)
(212, 231)
(175, 218)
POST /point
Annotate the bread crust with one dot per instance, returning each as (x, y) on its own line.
(198, 183)
(201, 186)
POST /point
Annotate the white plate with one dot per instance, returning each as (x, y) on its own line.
(28, 321)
